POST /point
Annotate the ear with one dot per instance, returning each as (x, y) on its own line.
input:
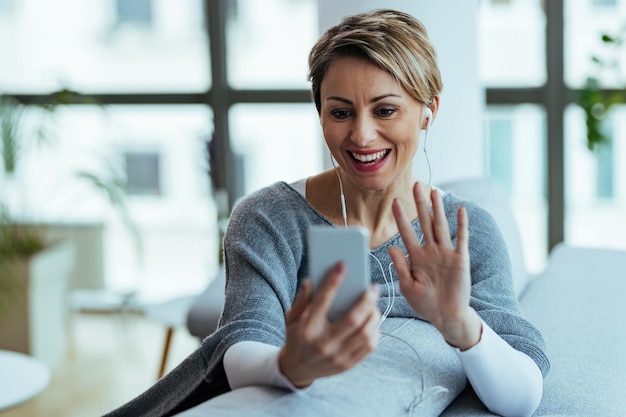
(429, 112)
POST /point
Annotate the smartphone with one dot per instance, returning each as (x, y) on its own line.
(329, 245)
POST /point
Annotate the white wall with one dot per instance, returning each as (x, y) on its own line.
(455, 141)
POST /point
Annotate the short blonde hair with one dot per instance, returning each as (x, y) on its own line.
(395, 41)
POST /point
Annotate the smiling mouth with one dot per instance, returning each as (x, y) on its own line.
(370, 159)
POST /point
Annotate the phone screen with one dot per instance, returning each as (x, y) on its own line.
(329, 245)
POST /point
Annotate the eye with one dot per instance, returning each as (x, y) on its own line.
(385, 112)
(340, 114)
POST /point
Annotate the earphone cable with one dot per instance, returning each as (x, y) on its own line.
(433, 392)
(419, 399)
(430, 172)
(342, 197)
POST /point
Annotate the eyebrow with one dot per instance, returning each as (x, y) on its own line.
(373, 100)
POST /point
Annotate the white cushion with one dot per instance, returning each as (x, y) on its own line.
(491, 196)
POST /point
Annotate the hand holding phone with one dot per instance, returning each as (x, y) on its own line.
(329, 245)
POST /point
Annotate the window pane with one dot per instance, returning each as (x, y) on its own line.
(104, 46)
(511, 40)
(585, 23)
(276, 142)
(179, 223)
(143, 173)
(134, 12)
(595, 183)
(515, 146)
(6, 7)
(604, 3)
(178, 226)
(269, 42)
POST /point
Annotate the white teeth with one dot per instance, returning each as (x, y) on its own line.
(370, 157)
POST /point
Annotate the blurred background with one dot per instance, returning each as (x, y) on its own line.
(192, 104)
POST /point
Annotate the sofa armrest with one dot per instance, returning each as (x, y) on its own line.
(578, 305)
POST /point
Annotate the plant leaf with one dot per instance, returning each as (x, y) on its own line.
(607, 38)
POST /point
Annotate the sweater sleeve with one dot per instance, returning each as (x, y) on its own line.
(254, 363)
(506, 380)
(263, 254)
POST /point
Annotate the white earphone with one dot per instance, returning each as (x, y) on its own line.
(428, 114)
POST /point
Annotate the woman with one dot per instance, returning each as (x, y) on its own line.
(440, 268)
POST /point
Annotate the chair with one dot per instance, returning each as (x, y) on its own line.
(206, 309)
(199, 313)
(171, 313)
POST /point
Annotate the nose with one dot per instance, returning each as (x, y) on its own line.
(363, 130)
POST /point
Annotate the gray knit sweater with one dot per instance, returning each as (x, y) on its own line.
(265, 250)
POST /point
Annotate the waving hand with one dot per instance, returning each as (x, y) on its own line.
(435, 278)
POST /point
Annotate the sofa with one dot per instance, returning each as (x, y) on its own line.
(576, 302)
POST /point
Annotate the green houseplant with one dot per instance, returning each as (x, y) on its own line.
(597, 101)
(25, 131)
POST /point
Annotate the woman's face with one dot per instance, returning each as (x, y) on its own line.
(370, 123)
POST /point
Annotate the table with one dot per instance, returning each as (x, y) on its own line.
(22, 377)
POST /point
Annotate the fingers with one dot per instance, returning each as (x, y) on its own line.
(400, 263)
(435, 227)
(305, 307)
(324, 297)
(409, 238)
(346, 341)
(423, 214)
(365, 339)
(360, 328)
(315, 347)
(440, 225)
(358, 314)
(462, 233)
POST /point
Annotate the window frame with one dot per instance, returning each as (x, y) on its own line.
(554, 96)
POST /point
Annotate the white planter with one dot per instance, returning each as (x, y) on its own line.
(36, 322)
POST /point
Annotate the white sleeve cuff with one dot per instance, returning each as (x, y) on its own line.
(506, 380)
(254, 363)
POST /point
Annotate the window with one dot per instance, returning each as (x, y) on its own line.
(151, 125)
(512, 43)
(500, 151)
(515, 146)
(268, 43)
(582, 189)
(134, 12)
(160, 149)
(605, 183)
(92, 54)
(604, 3)
(583, 30)
(534, 135)
(6, 7)
(263, 135)
(143, 175)
(594, 179)
(595, 184)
